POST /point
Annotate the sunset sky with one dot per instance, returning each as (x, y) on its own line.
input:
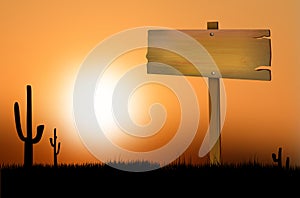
(44, 43)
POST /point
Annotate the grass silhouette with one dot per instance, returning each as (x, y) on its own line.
(249, 179)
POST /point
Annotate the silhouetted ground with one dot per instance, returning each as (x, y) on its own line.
(92, 180)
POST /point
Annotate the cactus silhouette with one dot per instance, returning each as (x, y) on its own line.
(278, 159)
(287, 163)
(54, 144)
(28, 140)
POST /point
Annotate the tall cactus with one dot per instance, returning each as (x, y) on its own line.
(55, 150)
(28, 140)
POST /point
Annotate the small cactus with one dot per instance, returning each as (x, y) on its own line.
(56, 150)
(278, 159)
(287, 163)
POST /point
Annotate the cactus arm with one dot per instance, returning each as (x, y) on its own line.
(274, 157)
(40, 130)
(51, 142)
(58, 149)
(18, 121)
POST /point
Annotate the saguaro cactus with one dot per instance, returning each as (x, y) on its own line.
(55, 150)
(278, 159)
(28, 140)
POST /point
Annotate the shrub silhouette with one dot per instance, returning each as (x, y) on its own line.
(56, 148)
(28, 140)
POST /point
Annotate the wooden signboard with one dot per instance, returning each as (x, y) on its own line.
(238, 54)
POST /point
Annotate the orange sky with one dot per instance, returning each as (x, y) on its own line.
(43, 43)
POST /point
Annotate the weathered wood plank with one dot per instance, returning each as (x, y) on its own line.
(237, 53)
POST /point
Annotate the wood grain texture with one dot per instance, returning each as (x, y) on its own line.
(237, 53)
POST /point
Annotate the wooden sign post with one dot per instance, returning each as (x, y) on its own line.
(214, 112)
(238, 54)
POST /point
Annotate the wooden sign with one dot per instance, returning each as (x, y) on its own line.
(237, 53)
